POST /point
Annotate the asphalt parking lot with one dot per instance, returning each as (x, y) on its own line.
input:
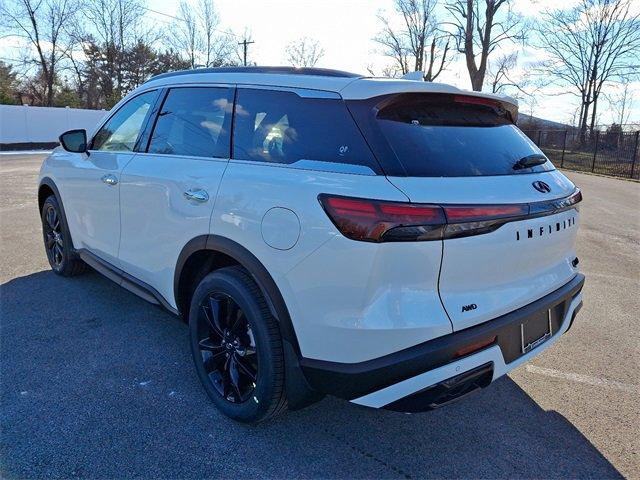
(97, 383)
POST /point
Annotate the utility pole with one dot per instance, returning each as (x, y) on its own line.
(245, 43)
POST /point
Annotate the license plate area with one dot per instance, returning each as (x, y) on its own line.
(535, 331)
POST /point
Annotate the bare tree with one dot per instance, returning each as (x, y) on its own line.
(304, 52)
(482, 25)
(589, 45)
(42, 23)
(217, 46)
(184, 35)
(504, 77)
(390, 71)
(195, 34)
(118, 25)
(208, 20)
(499, 72)
(419, 44)
(621, 104)
(394, 46)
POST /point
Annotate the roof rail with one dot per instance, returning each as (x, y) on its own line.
(321, 72)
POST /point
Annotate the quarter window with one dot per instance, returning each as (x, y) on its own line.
(121, 131)
(283, 127)
(194, 122)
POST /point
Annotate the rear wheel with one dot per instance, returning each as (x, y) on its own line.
(57, 241)
(236, 346)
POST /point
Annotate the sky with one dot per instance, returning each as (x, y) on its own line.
(345, 29)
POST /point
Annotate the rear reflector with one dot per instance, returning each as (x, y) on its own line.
(474, 347)
(383, 221)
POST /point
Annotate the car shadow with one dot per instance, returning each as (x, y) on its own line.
(97, 383)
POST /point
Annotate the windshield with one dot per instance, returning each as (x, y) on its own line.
(454, 136)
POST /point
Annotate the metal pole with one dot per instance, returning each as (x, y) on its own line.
(245, 44)
(539, 134)
(564, 146)
(595, 151)
(635, 155)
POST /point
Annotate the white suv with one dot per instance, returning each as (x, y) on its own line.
(396, 243)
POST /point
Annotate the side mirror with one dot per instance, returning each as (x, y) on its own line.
(74, 141)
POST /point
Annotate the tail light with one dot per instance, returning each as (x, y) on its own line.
(383, 221)
(380, 221)
(466, 220)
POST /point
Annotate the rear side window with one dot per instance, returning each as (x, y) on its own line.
(453, 136)
(283, 127)
(194, 122)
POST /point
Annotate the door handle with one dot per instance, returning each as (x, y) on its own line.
(110, 179)
(198, 195)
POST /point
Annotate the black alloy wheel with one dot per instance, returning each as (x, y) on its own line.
(236, 346)
(57, 240)
(227, 347)
(54, 237)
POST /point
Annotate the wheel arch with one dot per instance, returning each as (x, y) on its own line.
(206, 253)
(47, 188)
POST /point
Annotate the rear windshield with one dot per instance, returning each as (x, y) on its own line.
(451, 136)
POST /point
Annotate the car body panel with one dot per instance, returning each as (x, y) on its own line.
(367, 298)
(501, 271)
(157, 219)
(496, 272)
(91, 206)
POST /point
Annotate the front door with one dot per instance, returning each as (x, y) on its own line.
(92, 190)
(167, 192)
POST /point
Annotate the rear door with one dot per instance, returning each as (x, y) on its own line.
(168, 190)
(511, 230)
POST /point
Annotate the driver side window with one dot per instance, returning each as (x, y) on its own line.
(121, 131)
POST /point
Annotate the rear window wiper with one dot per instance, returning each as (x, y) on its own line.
(530, 161)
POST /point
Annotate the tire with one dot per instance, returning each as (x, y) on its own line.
(237, 347)
(57, 241)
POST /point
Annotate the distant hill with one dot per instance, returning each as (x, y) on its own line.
(529, 122)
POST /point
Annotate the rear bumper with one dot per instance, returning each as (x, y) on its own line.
(430, 374)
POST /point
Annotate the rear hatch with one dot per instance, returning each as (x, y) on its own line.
(511, 217)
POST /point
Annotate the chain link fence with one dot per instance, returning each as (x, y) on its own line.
(611, 152)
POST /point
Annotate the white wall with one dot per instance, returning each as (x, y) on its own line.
(21, 124)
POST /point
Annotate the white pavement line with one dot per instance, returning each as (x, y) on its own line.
(25, 152)
(589, 380)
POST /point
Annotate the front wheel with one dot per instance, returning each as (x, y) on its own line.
(236, 346)
(57, 241)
